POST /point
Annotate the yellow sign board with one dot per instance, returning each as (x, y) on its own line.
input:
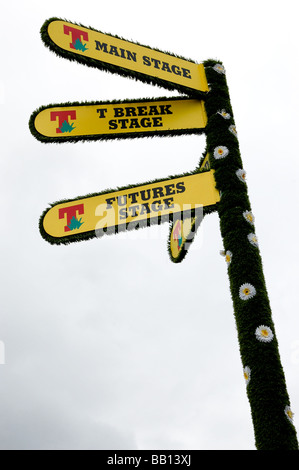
(127, 208)
(105, 51)
(107, 120)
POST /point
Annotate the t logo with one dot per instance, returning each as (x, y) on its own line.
(63, 124)
(71, 213)
(76, 35)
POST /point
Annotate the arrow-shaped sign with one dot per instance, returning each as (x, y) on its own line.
(127, 208)
(118, 119)
(106, 52)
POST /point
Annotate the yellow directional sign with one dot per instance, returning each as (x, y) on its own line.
(127, 58)
(127, 208)
(118, 119)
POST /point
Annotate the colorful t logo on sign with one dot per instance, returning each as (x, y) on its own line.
(63, 123)
(71, 216)
(76, 35)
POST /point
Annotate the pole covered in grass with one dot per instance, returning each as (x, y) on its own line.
(263, 373)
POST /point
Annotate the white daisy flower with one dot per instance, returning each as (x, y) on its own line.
(220, 152)
(228, 257)
(219, 68)
(224, 114)
(289, 414)
(253, 239)
(247, 291)
(241, 174)
(233, 130)
(249, 217)
(264, 334)
(247, 374)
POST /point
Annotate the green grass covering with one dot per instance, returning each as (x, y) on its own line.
(265, 384)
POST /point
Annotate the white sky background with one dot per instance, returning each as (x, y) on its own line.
(108, 344)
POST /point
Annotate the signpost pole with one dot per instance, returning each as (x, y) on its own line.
(73, 220)
(264, 377)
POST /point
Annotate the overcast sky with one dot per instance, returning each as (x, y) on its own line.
(108, 344)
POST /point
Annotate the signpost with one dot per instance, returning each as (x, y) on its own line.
(118, 119)
(128, 208)
(106, 52)
(219, 184)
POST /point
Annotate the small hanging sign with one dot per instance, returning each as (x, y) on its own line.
(127, 208)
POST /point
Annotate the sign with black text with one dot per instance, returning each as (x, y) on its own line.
(118, 119)
(183, 230)
(128, 208)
